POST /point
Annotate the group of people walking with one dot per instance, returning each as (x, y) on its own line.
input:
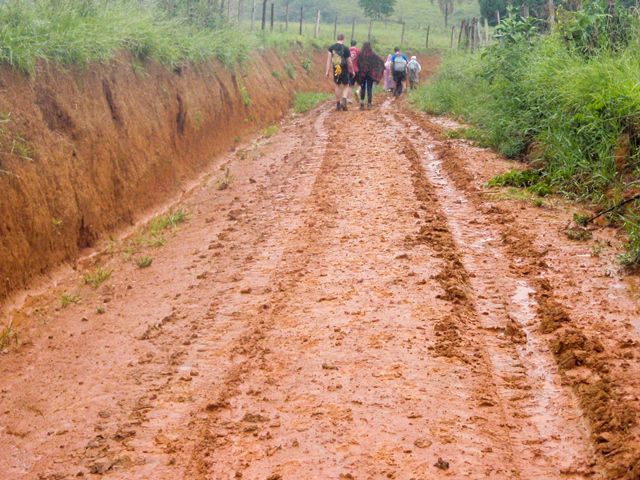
(352, 66)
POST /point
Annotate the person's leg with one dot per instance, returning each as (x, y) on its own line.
(398, 88)
(338, 95)
(369, 90)
(400, 84)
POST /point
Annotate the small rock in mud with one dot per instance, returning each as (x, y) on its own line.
(346, 476)
(329, 367)
(275, 476)
(441, 464)
(402, 256)
(254, 418)
(423, 443)
(245, 291)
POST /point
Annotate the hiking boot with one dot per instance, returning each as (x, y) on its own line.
(344, 104)
(338, 106)
(361, 105)
(369, 106)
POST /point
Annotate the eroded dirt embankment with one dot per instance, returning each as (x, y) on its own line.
(84, 152)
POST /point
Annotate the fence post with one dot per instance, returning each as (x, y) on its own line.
(273, 6)
(552, 12)
(462, 24)
(453, 34)
(229, 10)
(264, 14)
(253, 15)
(240, 11)
(370, 28)
(222, 8)
(335, 27)
(498, 17)
(301, 19)
(486, 31)
(317, 31)
(353, 29)
(286, 17)
(402, 34)
(428, 28)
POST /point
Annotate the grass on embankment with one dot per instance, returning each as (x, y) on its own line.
(81, 32)
(573, 116)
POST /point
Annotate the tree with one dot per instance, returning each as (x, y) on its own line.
(378, 9)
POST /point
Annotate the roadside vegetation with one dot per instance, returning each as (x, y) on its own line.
(567, 101)
(306, 101)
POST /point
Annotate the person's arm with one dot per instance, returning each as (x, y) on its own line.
(350, 65)
(328, 64)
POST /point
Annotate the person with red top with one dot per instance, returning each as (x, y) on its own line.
(370, 70)
(355, 51)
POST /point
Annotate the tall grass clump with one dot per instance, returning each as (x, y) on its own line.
(79, 32)
(568, 102)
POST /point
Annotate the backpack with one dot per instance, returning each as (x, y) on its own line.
(400, 64)
(414, 66)
(338, 61)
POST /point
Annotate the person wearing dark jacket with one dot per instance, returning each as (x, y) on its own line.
(370, 71)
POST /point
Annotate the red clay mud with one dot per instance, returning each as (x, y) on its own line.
(349, 307)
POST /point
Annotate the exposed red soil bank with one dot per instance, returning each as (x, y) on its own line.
(83, 152)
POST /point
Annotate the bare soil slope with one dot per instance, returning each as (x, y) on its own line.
(83, 152)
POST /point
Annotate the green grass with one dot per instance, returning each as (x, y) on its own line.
(97, 277)
(225, 180)
(67, 299)
(8, 336)
(573, 117)
(270, 131)
(144, 262)
(305, 101)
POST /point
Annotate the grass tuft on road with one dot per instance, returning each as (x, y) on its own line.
(306, 101)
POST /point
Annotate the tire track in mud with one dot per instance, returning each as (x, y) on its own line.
(580, 360)
(543, 446)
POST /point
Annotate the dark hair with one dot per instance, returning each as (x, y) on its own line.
(366, 47)
(340, 36)
(396, 49)
(353, 43)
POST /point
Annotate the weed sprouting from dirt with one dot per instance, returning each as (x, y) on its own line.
(515, 178)
(244, 94)
(144, 262)
(57, 223)
(8, 336)
(307, 64)
(270, 131)
(97, 277)
(306, 101)
(153, 236)
(578, 233)
(100, 310)
(67, 299)
(276, 75)
(291, 71)
(225, 181)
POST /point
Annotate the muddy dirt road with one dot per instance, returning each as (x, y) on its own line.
(355, 305)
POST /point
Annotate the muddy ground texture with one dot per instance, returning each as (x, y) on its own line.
(355, 305)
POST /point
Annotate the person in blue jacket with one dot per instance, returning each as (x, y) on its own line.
(399, 62)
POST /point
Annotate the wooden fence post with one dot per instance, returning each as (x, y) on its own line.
(229, 10)
(552, 12)
(370, 29)
(286, 17)
(453, 35)
(253, 15)
(317, 31)
(486, 31)
(273, 6)
(353, 29)
(264, 14)
(335, 28)
(497, 17)
(428, 28)
(402, 34)
(462, 24)
(301, 19)
(222, 8)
